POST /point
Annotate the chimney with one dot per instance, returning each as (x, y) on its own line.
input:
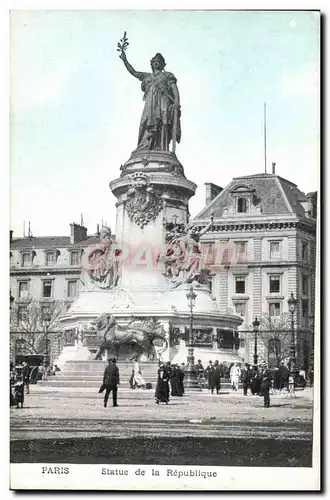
(78, 233)
(273, 167)
(98, 230)
(211, 191)
(11, 232)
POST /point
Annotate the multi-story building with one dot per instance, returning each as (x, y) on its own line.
(45, 270)
(261, 250)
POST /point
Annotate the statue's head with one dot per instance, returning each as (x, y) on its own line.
(158, 62)
(105, 233)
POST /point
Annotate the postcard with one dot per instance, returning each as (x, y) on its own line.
(164, 250)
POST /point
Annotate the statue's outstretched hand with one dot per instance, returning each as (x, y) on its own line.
(122, 56)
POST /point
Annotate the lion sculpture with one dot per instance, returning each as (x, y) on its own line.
(138, 335)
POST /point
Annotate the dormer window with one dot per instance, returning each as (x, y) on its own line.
(241, 205)
(26, 259)
(50, 258)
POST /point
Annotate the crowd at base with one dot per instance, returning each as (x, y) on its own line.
(170, 380)
(21, 376)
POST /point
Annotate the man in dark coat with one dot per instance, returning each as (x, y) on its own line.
(215, 377)
(245, 378)
(110, 381)
(266, 380)
(208, 371)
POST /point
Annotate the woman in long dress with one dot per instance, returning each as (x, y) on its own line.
(138, 380)
(235, 374)
(162, 393)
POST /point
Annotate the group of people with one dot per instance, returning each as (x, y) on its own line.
(19, 379)
(169, 380)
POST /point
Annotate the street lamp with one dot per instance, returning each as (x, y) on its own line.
(255, 325)
(292, 303)
(191, 379)
(45, 360)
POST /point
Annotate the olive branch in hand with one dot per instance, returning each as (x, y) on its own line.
(123, 44)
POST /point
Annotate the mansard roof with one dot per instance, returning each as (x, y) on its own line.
(276, 195)
(50, 242)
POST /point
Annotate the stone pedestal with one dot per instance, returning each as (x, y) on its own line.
(152, 191)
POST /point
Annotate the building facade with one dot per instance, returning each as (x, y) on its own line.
(261, 249)
(44, 281)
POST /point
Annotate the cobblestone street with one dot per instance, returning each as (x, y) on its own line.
(76, 418)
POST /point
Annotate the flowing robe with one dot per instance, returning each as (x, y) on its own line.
(156, 126)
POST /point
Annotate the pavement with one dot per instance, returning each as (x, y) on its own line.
(69, 413)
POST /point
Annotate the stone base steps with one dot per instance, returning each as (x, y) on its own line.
(89, 373)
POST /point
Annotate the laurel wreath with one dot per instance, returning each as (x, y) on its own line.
(123, 44)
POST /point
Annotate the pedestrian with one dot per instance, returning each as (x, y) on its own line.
(199, 370)
(175, 381)
(110, 381)
(138, 380)
(245, 378)
(162, 393)
(215, 377)
(266, 379)
(181, 379)
(283, 376)
(235, 374)
(253, 382)
(208, 371)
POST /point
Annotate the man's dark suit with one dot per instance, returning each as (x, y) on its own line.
(110, 381)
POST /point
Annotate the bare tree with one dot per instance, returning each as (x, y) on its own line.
(275, 332)
(32, 322)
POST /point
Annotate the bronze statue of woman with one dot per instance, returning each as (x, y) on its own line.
(160, 121)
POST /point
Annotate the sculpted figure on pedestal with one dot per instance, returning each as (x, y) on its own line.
(160, 121)
(182, 257)
(101, 264)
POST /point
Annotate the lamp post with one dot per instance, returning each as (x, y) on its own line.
(46, 323)
(190, 378)
(255, 325)
(292, 303)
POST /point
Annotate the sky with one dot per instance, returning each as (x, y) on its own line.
(75, 110)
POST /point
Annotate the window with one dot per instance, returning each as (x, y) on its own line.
(72, 288)
(45, 313)
(240, 251)
(240, 309)
(304, 250)
(22, 313)
(305, 287)
(274, 284)
(50, 258)
(74, 258)
(275, 251)
(26, 259)
(23, 289)
(274, 309)
(240, 284)
(304, 312)
(241, 205)
(47, 289)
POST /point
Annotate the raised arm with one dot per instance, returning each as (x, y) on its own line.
(129, 67)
